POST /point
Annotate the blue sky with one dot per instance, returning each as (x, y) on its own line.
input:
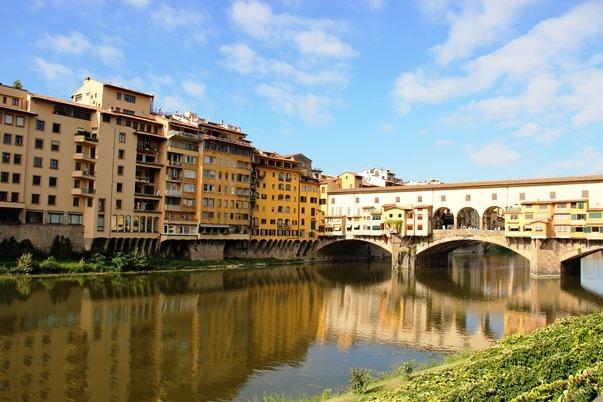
(454, 90)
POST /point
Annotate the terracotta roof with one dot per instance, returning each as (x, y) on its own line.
(483, 184)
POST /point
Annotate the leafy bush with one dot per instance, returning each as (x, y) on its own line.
(50, 265)
(359, 379)
(26, 264)
(129, 262)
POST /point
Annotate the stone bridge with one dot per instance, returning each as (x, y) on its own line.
(547, 257)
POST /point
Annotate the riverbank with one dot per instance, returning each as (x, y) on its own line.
(563, 361)
(126, 263)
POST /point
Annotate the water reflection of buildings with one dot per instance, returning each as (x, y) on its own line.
(201, 336)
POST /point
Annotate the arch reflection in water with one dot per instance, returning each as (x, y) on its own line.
(225, 335)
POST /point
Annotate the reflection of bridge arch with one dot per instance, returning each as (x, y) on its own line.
(467, 217)
(493, 218)
(443, 218)
(453, 240)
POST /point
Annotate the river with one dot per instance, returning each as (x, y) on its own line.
(290, 330)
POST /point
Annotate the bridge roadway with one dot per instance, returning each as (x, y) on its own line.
(548, 258)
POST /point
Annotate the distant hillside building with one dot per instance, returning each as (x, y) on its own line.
(379, 177)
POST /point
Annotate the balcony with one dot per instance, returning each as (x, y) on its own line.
(173, 193)
(173, 163)
(174, 178)
(147, 210)
(83, 192)
(177, 133)
(85, 137)
(143, 179)
(83, 174)
(87, 157)
(148, 160)
(148, 149)
(147, 194)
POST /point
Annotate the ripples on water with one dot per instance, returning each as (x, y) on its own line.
(236, 335)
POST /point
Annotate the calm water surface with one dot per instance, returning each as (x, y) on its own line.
(237, 335)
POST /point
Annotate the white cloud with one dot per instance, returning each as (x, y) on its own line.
(442, 142)
(244, 60)
(549, 46)
(109, 55)
(308, 107)
(587, 96)
(137, 3)
(494, 153)
(194, 89)
(374, 5)
(477, 24)
(173, 104)
(53, 71)
(318, 43)
(535, 131)
(72, 43)
(387, 127)
(169, 18)
(590, 160)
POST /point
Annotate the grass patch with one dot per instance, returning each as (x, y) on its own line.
(562, 362)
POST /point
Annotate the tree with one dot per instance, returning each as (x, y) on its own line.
(17, 84)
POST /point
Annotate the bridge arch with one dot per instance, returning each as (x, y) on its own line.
(493, 218)
(467, 217)
(448, 243)
(352, 246)
(573, 257)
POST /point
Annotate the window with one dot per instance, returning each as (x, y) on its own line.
(40, 125)
(56, 128)
(5, 157)
(122, 137)
(121, 154)
(118, 96)
(39, 143)
(35, 198)
(117, 204)
(16, 178)
(8, 119)
(36, 180)
(14, 197)
(584, 193)
(120, 170)
(419, 198)
(106, 118)
(54, 163)
(74, 219)
(20, 121)
(467, 197)
(4, 177)
(52, 182)
(376, 200)
(130, 98)
(52, 199)
(442, 198)
(37, 161)
(54, 145)
(7, 139)
(494, 196)
(100, 224)
(119, 187)
(17, 159)
(55, 218)
(552, 195)
(3, 196)
(522, 196)
(33, 217)
(18, 140)
(189, 188)
(76, 202)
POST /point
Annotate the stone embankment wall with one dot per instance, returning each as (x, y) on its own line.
(42, 235)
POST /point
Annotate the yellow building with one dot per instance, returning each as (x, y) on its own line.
(311, 221)
(571, 219)
(276, 209)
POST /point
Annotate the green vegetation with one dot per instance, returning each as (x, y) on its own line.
(563, 362)
(29, 264)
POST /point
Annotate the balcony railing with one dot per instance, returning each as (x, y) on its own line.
(153, 194)
(150, 149)
(173, 193)
(174, 163)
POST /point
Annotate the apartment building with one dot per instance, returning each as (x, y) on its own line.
(276, 207)
(311, 221)
(564, 219)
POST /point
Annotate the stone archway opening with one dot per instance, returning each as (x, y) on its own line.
(493, 219)
(467, 218)
(443, 219)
